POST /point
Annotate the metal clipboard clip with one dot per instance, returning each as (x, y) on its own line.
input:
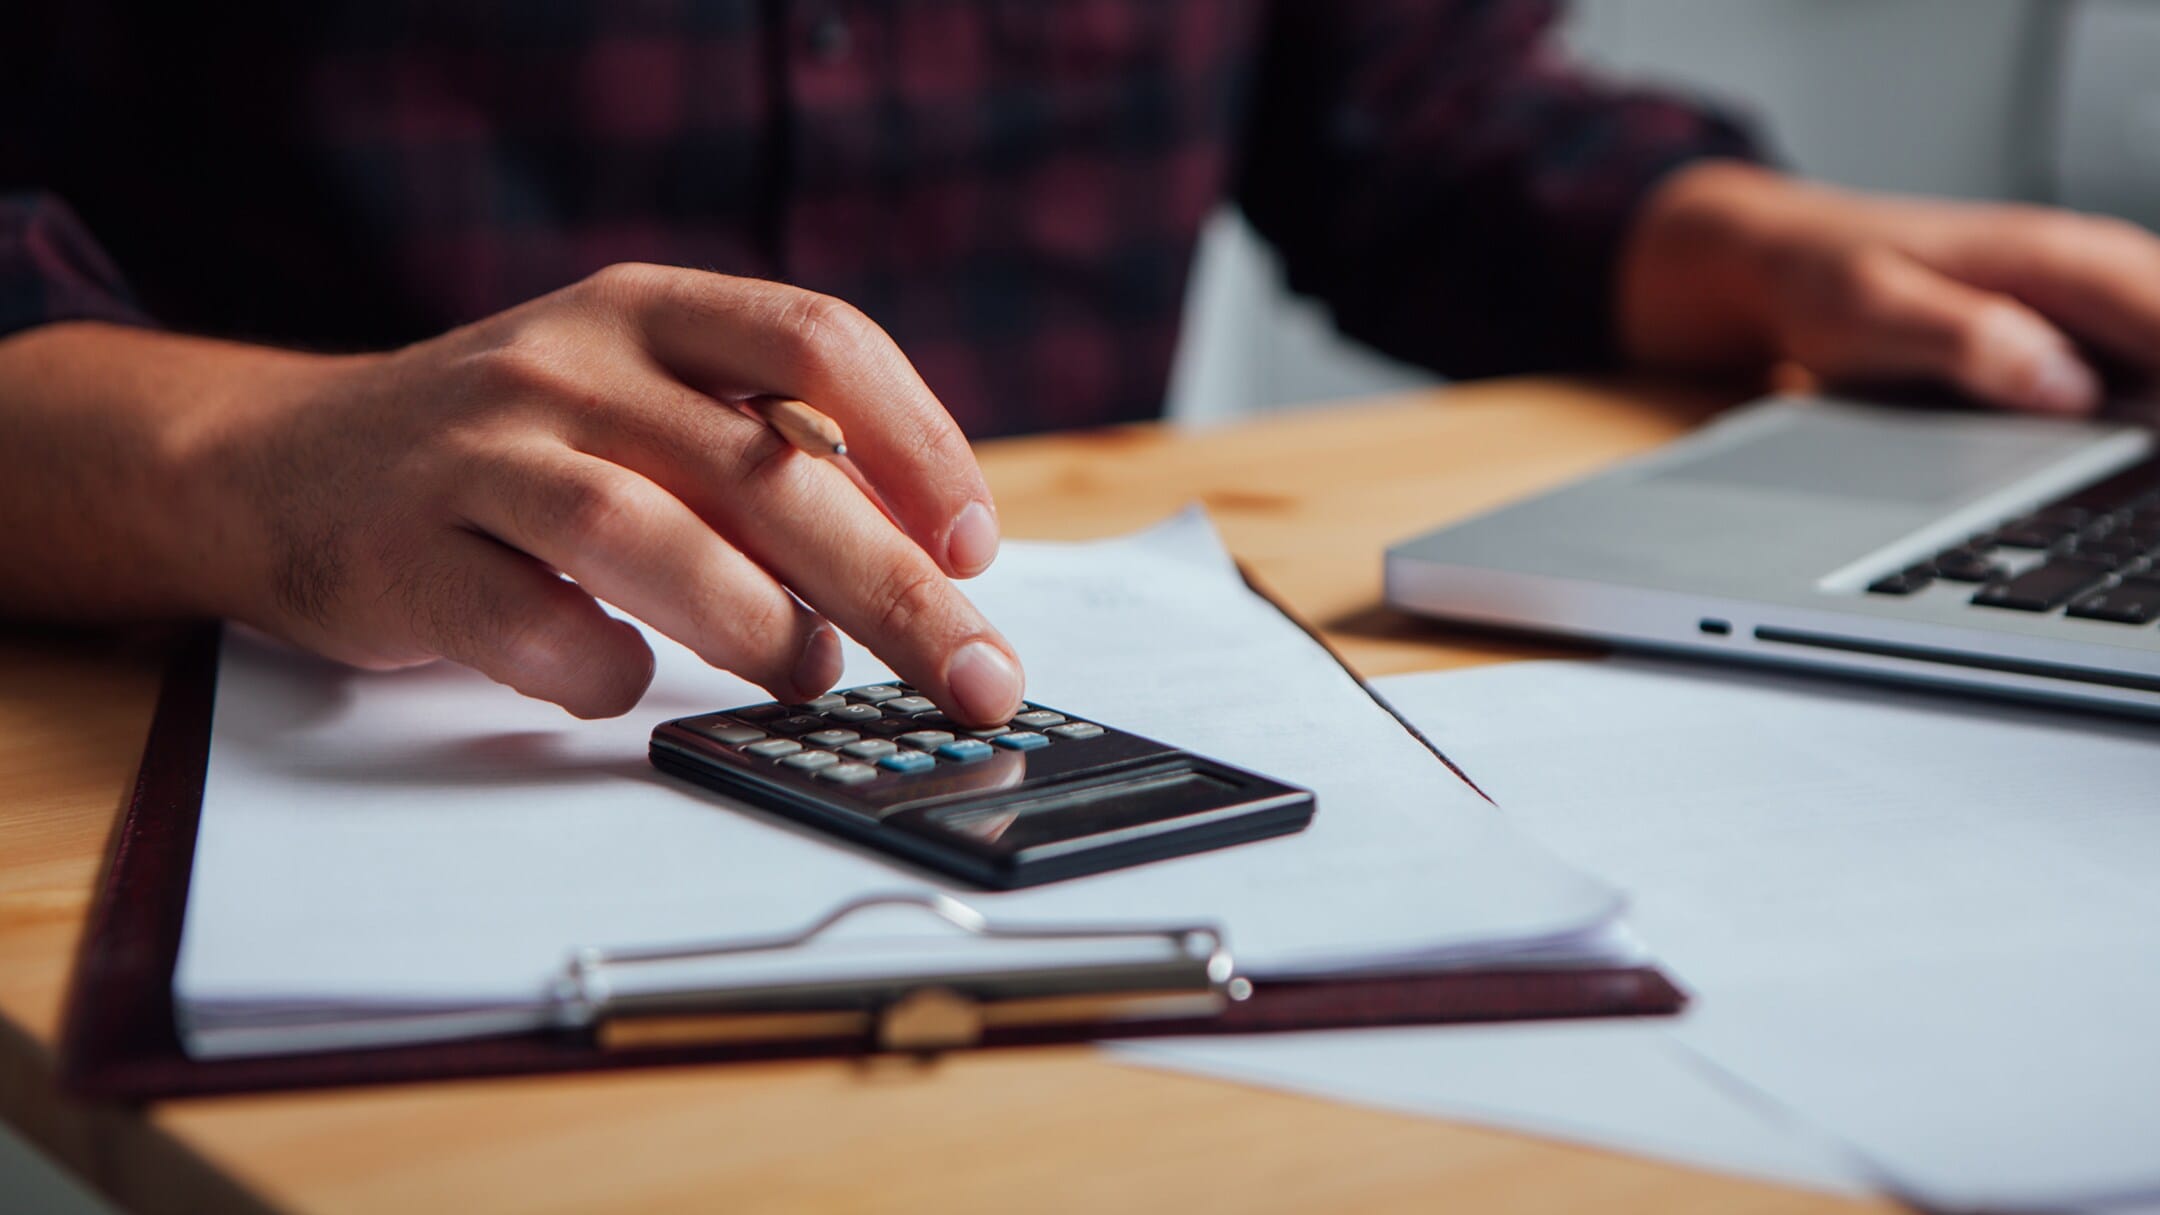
(1193, 978)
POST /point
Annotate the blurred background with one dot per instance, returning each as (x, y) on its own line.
(2046, 100)
(2041, 100)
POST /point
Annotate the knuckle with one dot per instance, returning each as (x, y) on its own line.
(622, 283)
(2058, 235)
(526, 643)
(758, 631)
(1843, 286)
(766, 463)
(1978, 335)
(524, 365)
(592, 513)
(935, 443)
(909, 599)
(1864, 282)
(820, 331)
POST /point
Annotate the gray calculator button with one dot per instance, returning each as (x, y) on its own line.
(773, 748)
(847, 773)
(1075, 729)
(799, 723)
(909, 705)
(852, 714)
(926, 740)
(733, 734)
(831, 738)
(810, 761)
(877, 694)
(869, 748)
(1036, 719)
(908, 761)
(821, 704)
(991, 732)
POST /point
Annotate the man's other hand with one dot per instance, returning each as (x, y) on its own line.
(2020, 307)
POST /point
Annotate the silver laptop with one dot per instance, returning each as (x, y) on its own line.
(2012, 555)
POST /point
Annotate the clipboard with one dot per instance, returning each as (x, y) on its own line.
(119, 1041)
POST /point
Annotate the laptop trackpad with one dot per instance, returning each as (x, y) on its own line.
(1916, 459)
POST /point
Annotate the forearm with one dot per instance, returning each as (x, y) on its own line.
(109, 507)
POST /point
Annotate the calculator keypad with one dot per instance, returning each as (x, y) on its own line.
(1040, 798)
(879, 732)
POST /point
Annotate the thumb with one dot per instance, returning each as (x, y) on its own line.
(1907, 321)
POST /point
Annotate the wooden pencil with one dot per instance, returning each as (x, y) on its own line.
(810, 431)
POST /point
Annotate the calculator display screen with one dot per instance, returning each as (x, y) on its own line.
(1095, 809)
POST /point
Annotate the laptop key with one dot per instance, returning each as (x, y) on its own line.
(2033, 531)
(2044, 587)
(2136, 601)
(1965, 565)
(1904, 582)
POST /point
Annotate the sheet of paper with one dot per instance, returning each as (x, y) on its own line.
(1624, 1084)
(1926, 927)
(426, 839)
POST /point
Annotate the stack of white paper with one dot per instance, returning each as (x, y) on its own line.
(1922, 934)
(394, 856)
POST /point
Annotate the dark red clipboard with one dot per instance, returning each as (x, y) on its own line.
(119, 1041)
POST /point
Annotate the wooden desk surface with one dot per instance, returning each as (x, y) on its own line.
(1306, 500)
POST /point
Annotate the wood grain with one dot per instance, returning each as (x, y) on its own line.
(1305, 500)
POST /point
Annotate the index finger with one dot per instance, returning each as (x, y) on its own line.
(731, 335)
(2098, 278)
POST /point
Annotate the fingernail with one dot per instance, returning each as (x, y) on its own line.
(819, 667)
(2065, 384)
(973, 542)
(984, 682)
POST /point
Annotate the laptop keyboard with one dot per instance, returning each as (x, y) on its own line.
(2094, 554)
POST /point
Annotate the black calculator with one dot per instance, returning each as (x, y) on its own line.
(1044, 797)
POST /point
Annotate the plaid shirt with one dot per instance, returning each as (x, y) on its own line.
(1013, 188)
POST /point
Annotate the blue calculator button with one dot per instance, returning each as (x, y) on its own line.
(1021, 740)
(964, 749)
(907, 761)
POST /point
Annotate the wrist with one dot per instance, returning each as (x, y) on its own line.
(119, 499)
(223, 460)
(1699, 273)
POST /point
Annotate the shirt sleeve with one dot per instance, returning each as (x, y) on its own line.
(1457, 192)
(52, 269)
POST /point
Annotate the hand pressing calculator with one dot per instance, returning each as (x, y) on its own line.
(1045, 797)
